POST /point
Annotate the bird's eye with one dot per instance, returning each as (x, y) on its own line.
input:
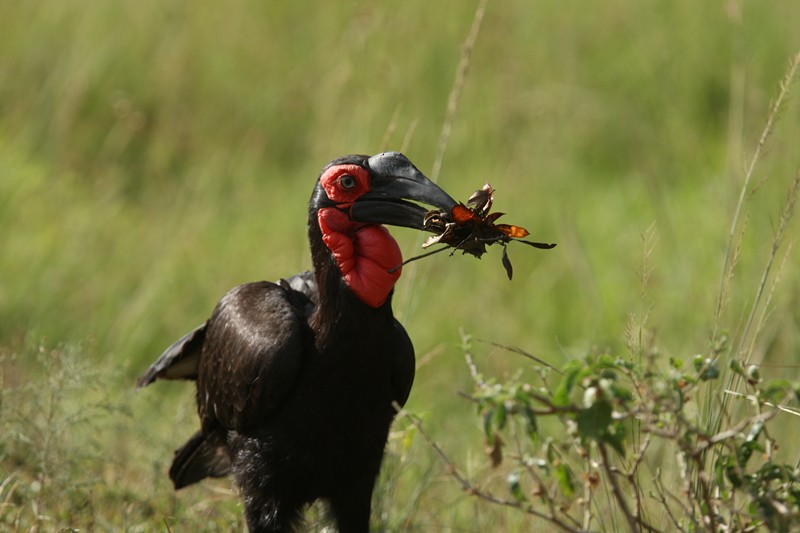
(347, 181)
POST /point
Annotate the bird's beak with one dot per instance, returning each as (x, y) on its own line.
(395, 185)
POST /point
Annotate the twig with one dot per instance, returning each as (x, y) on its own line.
(471, 489)
(615, 488)
(458, 85)
(588, 491)
(551, 410)
(735, 430)
(634, 473)
(548, 500)
(711, 511)
(473, 369)
(523, 353)
(784, 408)
(407, 261)
(663, 493)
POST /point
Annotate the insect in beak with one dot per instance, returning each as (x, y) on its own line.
(471, 228)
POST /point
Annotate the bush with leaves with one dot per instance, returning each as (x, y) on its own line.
(619, 420)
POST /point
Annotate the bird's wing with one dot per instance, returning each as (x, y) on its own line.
(305, 284)
(179, 361)
(403, 365)
(255, 344)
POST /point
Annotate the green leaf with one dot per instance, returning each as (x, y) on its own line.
(615, 438)
(775, 390)
(488, 432)
(530, 422)
(627, 365)
(550, 453)
(593, 422)
(606, 361)
(500, 416)
(706, 367)
(771, 472)
(572, 375)
(596, 423)
(565, 480)
(725, 468)
(745, 451)
(719, 469)
(621, 394)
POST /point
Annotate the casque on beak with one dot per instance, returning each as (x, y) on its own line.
(395, 185)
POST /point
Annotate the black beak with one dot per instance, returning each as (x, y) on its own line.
(395, 181)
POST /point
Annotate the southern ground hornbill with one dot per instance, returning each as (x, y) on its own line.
(296, 379)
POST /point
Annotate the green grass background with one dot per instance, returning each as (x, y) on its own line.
(154, 154)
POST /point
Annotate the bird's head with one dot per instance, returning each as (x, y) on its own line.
(355, 195)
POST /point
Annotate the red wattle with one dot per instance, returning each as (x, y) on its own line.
(364, 253)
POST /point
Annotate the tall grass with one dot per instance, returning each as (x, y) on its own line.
(742, 347)
(154, 154)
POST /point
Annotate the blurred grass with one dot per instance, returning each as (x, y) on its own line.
(154, 154)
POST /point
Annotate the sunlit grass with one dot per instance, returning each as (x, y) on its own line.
(153, 155)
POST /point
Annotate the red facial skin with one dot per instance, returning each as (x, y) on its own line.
(364, 252)
(334, 182)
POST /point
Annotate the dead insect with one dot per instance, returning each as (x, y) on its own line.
(471, 228)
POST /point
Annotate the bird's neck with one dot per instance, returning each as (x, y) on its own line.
(364, 257)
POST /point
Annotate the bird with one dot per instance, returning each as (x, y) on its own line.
(297, 380)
